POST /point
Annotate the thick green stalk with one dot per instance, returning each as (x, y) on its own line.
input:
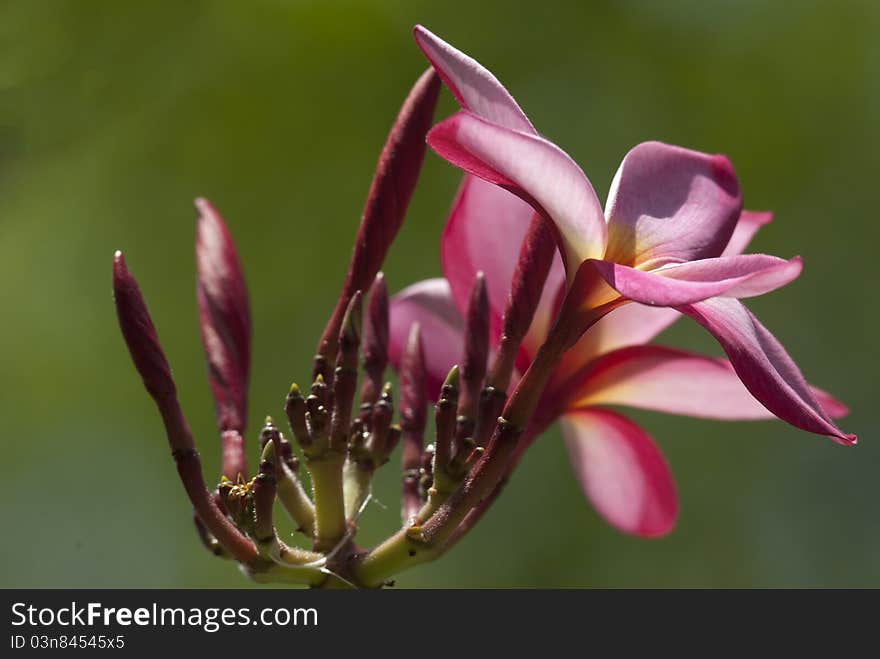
(326, 472)
(356, 480)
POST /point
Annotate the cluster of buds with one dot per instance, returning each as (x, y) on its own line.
(343, 433)
(670, 241)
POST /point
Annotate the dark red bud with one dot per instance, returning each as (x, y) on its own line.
(413, 398)
(224, 316)
(375, 340)
(143, 344)
(393, 183)
(476, 347)
(535, 259)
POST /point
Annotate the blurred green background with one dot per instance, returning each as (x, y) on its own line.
(114, 116)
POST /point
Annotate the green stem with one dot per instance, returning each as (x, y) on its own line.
(295, 501)
(442, 487)
(274, 573)
(356, 480)
(326, 472)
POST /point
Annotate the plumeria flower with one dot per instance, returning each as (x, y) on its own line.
(546, 296)
(669, 242)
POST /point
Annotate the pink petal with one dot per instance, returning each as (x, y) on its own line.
(533, 169)
(674, 381)
(635, 324)
(484, 215)
(746, 228)
(483, 233)
(473, 86)
(430, 304)
(669, 204)
(621, 471)
(745, 275)
(834, 408)
(631, 324)
(764, 367)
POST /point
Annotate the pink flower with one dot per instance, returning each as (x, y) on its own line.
(669, 242)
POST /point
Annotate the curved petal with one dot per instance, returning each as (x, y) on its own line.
(746, 228)
(635, 324)
(534, 169)
(474, 87)
(764, 367)
(746, 275)
(487, 223)
(673, 381)
(631, 324)
(430, 304)
(670, 204)
(483, 233)
(621, 471)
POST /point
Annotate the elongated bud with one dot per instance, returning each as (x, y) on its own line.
(146, 352)
(143, 344)
(357, 439)
(393, 183)
(295, 409)
(224, 316)
(489, 408)
(476, 347)
(445, 419)
(413, 413)
(535, 259)
(345, 381)
(224, 319)
(380, 425)
(269, 433)
(317, 393)
(350, 333)
(375, 343)
(394, 435)
(317, 416)
(264, 489)
(413, 400)
(426, 472)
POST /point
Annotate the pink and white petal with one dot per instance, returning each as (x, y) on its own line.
(534, 169)
(636, 324)
(670, 204)
(430, 304)
(474, 87)
(746, 227)
(764, 366)
(666, 380)
(485, 229)
(745, 275)
(621, 471)
(630, 324)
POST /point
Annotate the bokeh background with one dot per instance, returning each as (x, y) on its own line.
(114, 116)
